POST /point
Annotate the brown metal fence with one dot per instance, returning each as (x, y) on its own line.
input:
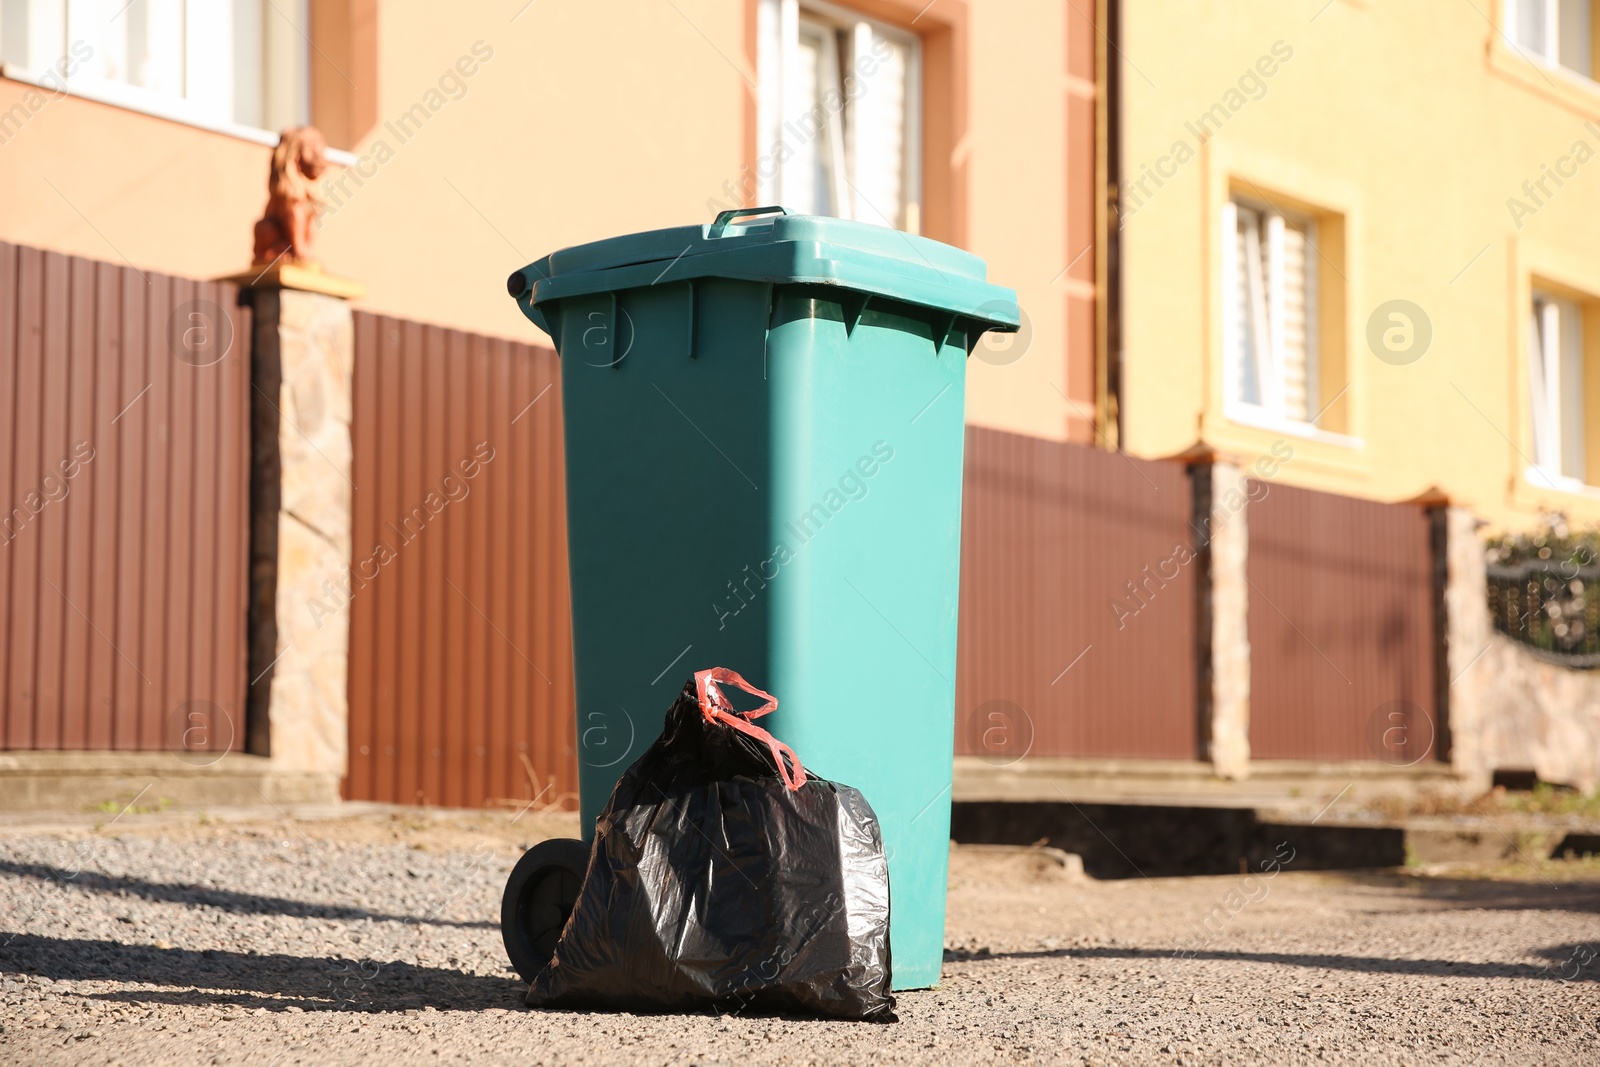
(1077, 607)
(1342, 628)
(460, 646)
(124, 475)
(123, 451)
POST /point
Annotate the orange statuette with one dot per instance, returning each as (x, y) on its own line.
(715, 707)
(286, 226)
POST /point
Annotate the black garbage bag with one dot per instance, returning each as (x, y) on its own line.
(723, 877)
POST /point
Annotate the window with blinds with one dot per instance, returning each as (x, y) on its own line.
(1555, 385)
(837, 114)
(217, 61)
(1270, 312)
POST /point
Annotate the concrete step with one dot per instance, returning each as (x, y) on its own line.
(1151, 840)
(1291, 790)
(1487, 840)
(150, 781)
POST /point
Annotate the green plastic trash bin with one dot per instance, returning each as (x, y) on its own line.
(763, 449)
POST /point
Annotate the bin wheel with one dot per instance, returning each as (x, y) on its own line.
(539, 897)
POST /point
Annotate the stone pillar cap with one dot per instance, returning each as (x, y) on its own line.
(1203, 453)
(1431, 497)
(308, 277)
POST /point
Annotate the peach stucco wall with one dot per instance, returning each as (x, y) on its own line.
(97, 181)
(577, 121)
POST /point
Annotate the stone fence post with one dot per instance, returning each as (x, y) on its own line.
(301, 497)
(1467, 636)
(1221, 527)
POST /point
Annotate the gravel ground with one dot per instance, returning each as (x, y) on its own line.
(167, 939)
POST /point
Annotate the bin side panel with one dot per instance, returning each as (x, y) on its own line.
(667, 478)
(867, 494)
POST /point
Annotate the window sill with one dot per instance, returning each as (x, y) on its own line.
(1568, 88)
(1260, 419)
(1540, 479)
(168, 110)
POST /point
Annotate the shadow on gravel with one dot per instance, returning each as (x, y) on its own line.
(226, 899)
(1363, 964)
(273, 981)
(1489, 894)
(1132, 840)
(1577, 961)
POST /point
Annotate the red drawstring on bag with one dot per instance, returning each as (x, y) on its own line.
(715, 707)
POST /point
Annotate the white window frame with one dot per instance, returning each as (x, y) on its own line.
(1556, 389)
(285, 100)
(1557, 32)
(1269, 319)
(779, 25)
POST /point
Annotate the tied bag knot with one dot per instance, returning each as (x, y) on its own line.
(715, 707)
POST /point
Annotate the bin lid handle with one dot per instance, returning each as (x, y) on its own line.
(715, 707)
(725, 217)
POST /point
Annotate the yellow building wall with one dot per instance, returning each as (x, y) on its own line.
(578, 121)
(1416, 124)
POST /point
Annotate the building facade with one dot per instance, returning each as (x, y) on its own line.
(1341, 248)
(473, 138)
(1367, 229)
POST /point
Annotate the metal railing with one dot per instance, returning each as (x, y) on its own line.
(1552, 608)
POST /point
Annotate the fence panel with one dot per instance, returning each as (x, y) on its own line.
(461, 687)
(1077, 605)
(1342, 628)
(123, 451)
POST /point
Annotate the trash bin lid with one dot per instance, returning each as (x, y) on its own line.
(776, 247)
